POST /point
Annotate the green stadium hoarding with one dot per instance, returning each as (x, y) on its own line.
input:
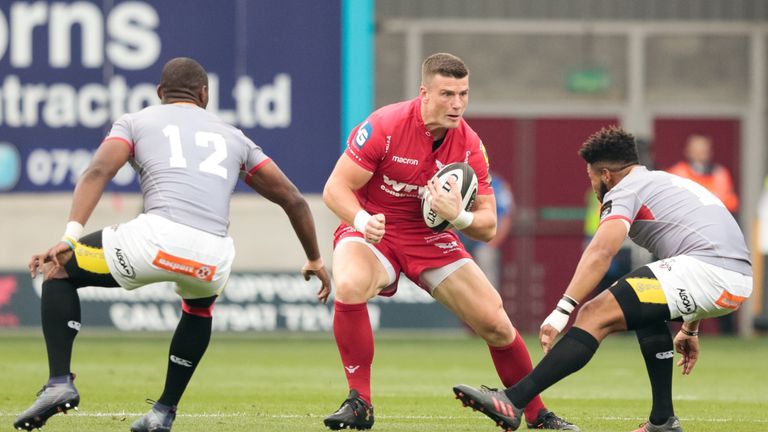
(251, 302)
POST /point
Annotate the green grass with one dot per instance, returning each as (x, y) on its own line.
(285, 382)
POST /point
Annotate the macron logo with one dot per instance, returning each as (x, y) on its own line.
(180, 361)
(351, 369)
(665, 355)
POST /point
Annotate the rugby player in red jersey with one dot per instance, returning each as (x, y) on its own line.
(376, 189)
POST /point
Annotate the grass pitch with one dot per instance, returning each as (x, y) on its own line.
(280, 382)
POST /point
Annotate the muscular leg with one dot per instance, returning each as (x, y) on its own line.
(469, 295)
(359, 276)
(649, 318)
(188, 345)
(657, 347)
(60, 305)
(596, 319)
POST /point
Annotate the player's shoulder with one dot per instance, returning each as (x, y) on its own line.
(393, 114)
(466, 133)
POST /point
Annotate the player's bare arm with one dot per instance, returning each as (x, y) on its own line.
(687, 344)
(339, 196)
(592, 267)
(272, 184)
(111, 155)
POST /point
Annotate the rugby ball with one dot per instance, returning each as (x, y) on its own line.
(465, 178)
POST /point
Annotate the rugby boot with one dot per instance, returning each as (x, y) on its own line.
(159, 419)
(549, 420)
(672, 425)
(491, 402)
(51, 399)
(354, 413)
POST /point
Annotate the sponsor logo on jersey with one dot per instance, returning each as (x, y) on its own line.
(485, 155)
(686, 305)
(448, 247)
(184, 266)
(180, 361)
(605, 210)
(401, 189)
(665, 355)
(666, 265)
(452, 245)
(363, 133)
(439, 164)
(124, 265)
(405, 161)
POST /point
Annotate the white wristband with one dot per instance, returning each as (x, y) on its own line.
(463, 220)
(566, 305)
(74, 230)
(361, 220)
(562, 313)
(556, 319)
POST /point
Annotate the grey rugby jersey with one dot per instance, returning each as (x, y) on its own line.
(671, 215)
(188, 162)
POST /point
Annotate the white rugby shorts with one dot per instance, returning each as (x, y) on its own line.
(152, 249)
(695, 290)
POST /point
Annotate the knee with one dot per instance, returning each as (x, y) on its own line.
(599, 316)
(202, 307)
(496, 330)
(352, 290)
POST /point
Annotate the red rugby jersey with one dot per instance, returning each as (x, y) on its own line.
(396, 147)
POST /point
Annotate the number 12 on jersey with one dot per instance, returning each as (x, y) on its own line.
(211, 164)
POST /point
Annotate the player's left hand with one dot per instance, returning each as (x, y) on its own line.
(547, 336)
(316, 268)
(37, 263)
(446, 203)
(688, 346)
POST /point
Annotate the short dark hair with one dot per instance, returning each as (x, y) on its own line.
(444, 64)
(610, 144)
(183, 75)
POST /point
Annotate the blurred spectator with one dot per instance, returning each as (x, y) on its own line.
(488, 255)
(699, 167)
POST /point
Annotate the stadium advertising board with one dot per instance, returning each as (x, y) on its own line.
(251, 302)
(69, 69)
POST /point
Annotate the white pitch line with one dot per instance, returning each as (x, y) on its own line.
(391, 417)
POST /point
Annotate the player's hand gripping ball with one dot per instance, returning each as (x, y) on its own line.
(465, 178)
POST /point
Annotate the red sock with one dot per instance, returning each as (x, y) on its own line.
(512, 364)
(354, 337)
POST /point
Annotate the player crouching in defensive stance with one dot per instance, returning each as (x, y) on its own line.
(704, 271)
(376, 189)
(188, 162)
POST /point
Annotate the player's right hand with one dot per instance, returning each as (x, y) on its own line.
(374, 230)
(38, 261)
(547, 336)
(688, 346)
(316, 268)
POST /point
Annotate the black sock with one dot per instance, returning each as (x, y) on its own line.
(60, 314)
(657, 347)
(187, 348)
(573, 351)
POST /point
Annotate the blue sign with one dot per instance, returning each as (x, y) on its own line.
(71, 68)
